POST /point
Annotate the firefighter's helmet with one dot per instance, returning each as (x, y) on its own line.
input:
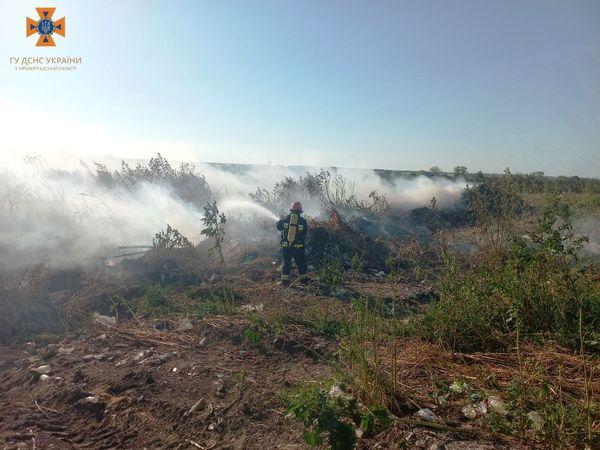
(296, 207)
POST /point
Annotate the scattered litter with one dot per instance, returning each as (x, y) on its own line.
(481, 407)
(198, 406)
(359, 432)
(250, 308)
(143, 354)
(469, 411)
(496, 405)
(202, 342)
(44, 377)
(43, 370)
(185, 325)
(96, 356)
(442, 400)
(157, 359)
(91, 399)
(220, 390)
(537, 421)
(174, 369)
(65, 350)
(105, 320)
(426, 414)
(336, 391)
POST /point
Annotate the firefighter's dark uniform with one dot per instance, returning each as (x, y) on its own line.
(294, 229)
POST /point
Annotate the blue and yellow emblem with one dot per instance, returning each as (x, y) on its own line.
(45, 27)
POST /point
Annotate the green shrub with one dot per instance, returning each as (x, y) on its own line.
(535, 289)
(333, 416)
(156, 300)
(331, 274)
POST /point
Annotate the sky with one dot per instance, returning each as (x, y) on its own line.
(374, 84)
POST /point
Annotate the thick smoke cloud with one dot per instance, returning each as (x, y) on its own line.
(66, 218)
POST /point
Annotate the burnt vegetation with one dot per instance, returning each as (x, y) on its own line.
(476, 324)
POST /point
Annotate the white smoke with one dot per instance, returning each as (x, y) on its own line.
(66, 218)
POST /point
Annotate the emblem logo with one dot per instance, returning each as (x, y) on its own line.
(45, 27)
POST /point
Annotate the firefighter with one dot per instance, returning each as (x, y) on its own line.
(294, 229)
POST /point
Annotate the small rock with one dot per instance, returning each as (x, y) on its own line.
(44, 377)
(537, 421)
(496, 405)
(426, 414)
(185, 325)
(469, 411)
(105, 320)
(43, 370)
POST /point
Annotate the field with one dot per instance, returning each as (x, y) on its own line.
(466, 324)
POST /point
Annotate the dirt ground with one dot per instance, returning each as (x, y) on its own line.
(143, 383)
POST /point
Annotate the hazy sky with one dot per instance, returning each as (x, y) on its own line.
(382, 84)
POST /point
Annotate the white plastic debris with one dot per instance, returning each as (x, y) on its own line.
(481, 407)
(426, 414)
(185, 325)
(442, 400)
(44, 377)
(537, 421)
(469, 411)
(65, 350)
(336, 391)
(43, 370)
(250, 308)
(91, 399)
(496, 405)
(105, 320)
(143, 354)
(199, 405)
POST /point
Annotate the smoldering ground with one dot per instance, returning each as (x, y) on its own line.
(69, 218)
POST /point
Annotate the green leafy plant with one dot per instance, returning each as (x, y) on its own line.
(331, 274)
(332, 417)
(156, 300)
